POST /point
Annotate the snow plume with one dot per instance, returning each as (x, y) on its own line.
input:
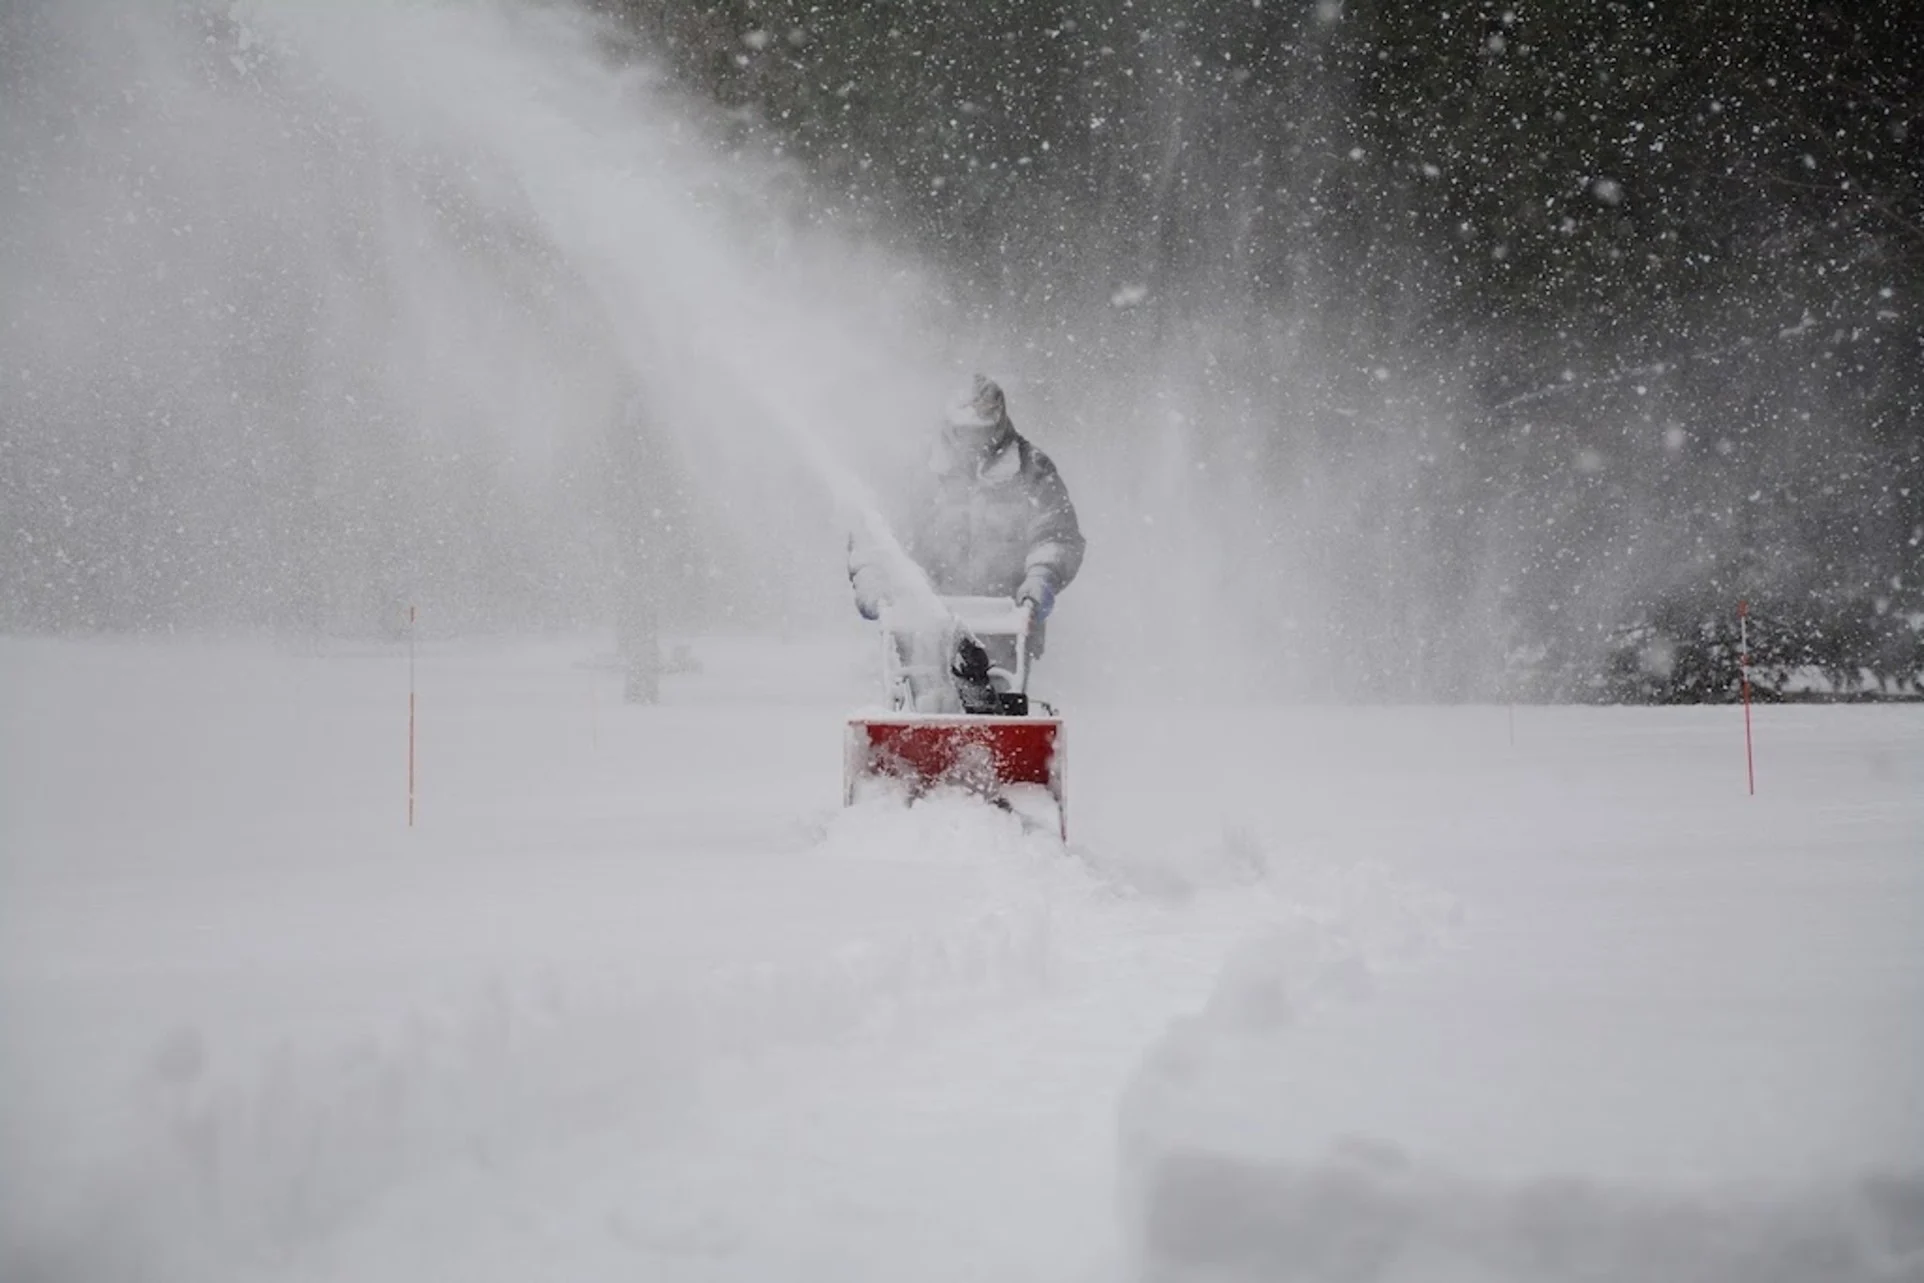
(309, 311)
(312, 311)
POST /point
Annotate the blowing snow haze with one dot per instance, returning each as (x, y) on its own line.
(1392, 350)
(1438, 354)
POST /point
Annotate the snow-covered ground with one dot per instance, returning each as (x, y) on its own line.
(1358, 993)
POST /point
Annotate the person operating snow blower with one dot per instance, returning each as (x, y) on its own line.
(992, 532)
(992, 519)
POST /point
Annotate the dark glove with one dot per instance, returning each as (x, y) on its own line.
(1040, 592)
(868, 607)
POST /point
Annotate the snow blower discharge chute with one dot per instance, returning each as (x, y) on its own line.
(959, 712)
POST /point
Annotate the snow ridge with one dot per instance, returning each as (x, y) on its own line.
(237, 1169)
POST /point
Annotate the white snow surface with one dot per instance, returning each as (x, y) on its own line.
(1314, 993)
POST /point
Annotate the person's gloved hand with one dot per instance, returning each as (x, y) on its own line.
(1039, 592)
(871, 592)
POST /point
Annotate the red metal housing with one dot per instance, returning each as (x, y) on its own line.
(986, 755)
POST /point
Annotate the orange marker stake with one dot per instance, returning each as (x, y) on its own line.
(1743, 669)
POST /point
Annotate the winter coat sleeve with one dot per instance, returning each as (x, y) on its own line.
(1055, 536)
(867, 575)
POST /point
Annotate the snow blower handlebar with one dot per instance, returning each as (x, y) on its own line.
(946, 620)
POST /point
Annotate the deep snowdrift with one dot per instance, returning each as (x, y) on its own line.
(1322, 993)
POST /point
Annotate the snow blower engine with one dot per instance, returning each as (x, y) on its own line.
(959, 711)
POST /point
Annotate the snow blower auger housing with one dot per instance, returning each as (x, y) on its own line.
(959, 712)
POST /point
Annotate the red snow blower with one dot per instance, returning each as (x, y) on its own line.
(959, 712)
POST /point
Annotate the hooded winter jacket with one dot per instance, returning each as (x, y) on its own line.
(983, 524)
